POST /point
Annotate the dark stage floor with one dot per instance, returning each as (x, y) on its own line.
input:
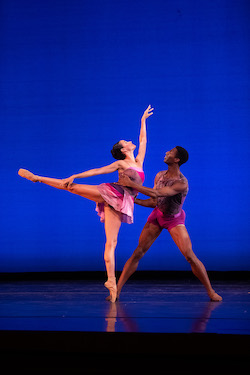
(145, 306)
(154, 317)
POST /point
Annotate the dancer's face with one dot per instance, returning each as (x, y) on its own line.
(127, 146)
(170, 156)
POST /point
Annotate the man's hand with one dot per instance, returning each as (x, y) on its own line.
(124, 180)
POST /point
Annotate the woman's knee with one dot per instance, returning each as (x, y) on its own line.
(111, 243)
(109, 253)
(110, 249)
(71, 187)
(108, 257)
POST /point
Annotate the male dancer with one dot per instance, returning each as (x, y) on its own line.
(167, 196)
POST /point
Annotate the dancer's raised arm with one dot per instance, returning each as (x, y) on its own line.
(143, 136)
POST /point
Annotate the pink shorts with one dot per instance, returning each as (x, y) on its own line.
(167, 222)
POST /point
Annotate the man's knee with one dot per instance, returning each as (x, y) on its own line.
(138, 253)
(190, 256)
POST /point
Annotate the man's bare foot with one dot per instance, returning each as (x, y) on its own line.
(28, 175)
(214, 296)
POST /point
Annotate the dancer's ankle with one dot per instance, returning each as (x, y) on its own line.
(110, 284)
(214, 296)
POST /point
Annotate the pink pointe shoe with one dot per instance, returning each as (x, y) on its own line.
(111, 286)
(27, 174)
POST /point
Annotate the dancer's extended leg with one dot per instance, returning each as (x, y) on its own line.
(87, 191)
(148, 235)
(182, 240)
(112, 226)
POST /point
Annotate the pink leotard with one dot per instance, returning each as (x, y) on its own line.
(119, 197)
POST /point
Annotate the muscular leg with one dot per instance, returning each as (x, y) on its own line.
(87, 191)
(182, 240)
(148, 235)
(112, 227)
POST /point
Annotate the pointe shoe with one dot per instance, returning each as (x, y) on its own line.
(27, 174)
(111, 286)
(109, 297)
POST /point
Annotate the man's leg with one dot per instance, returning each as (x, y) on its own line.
(148, 235)
(182, 240)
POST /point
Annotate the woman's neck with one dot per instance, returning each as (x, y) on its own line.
(130, 158)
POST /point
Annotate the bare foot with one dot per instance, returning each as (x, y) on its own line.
(111, 286)
(214, 296)
(28, 175)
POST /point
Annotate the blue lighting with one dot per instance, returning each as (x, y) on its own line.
(76, 77)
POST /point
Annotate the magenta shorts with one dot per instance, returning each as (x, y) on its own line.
(167, 222)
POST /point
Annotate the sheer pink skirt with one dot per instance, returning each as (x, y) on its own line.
(120, 200)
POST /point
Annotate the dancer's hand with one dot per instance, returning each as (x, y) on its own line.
(148, 112)
(124, 180)
(68, 181)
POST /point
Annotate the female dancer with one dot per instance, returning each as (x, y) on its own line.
(114, 203)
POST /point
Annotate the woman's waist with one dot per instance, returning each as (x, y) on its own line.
(121, 188)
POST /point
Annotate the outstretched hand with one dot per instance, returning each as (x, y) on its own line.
(68, 181)
(124, 180)
(148, 112)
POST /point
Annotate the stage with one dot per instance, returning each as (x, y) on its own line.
(68, 324)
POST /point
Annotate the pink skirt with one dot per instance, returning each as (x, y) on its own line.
(118, 198)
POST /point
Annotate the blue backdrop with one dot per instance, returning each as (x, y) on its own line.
(76, 76)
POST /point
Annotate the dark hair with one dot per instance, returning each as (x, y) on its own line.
(117, 153)
(182, 154)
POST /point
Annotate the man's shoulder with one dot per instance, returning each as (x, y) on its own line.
(160, 174)
(184, 181)
(183, 178)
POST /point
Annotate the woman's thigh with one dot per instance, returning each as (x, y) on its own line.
(87, 191)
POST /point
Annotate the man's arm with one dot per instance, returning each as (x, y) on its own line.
(167, 191)
(151, 202)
